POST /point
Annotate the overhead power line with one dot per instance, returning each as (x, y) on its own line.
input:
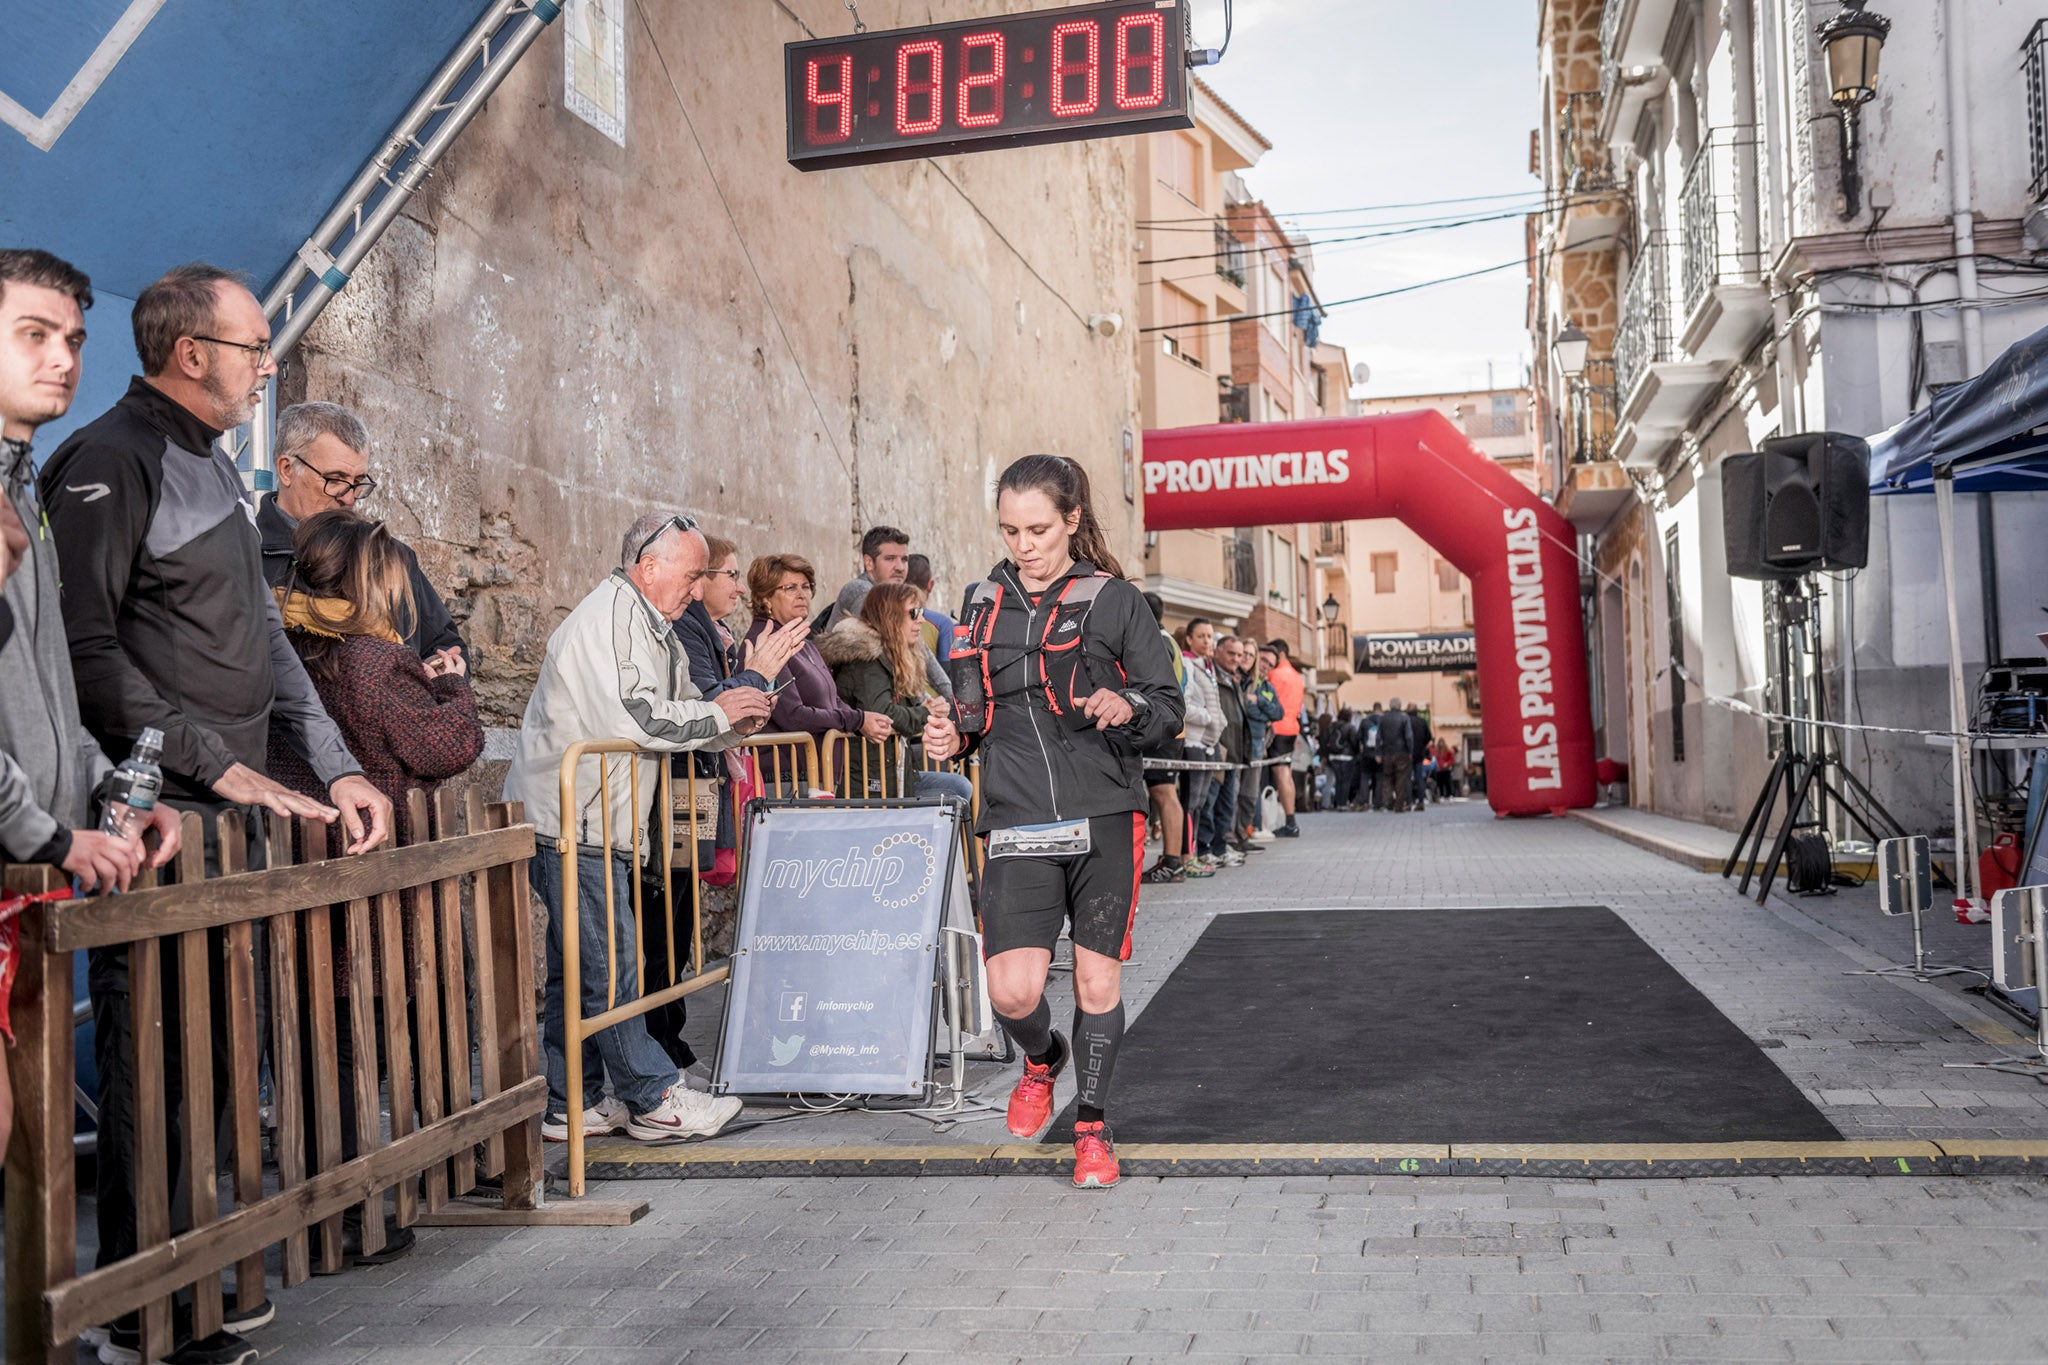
(1361, 208)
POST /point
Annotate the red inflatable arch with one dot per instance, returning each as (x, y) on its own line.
(1536, 719)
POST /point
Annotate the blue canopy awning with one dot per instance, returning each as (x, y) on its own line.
(136, 135)
(1991, 432)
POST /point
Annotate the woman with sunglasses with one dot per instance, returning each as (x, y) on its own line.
(1062, 679)
(878, 661)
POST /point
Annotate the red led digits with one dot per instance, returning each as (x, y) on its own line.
(935, 106)
(1089, 66)
(1151, 62)
(822, 101)
(972, 80)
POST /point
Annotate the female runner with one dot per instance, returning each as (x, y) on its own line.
(1062, 678)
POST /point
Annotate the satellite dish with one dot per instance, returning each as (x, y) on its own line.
(1361, 373)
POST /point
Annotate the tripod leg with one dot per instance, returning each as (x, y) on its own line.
(1781, 776)
(1793, 807)
(1759, 813)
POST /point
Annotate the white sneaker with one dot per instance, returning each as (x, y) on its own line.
(607, 1118)
(1261, 836)
(683, 1112)
(1232, 858)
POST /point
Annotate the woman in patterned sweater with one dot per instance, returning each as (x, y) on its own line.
(347, 606)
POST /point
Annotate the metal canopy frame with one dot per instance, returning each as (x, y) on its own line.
(388, 181)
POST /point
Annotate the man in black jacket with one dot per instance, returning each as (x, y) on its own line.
(1423, 740)
(1397, 755)
(171, 626)
(323, 463)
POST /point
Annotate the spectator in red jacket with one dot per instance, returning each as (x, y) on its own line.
(347, 609)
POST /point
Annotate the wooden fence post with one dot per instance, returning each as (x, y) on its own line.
(41, 1232)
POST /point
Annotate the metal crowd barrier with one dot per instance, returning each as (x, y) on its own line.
(788, 766)
(785, 761)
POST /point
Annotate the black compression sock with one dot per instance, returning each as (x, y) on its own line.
(1054, 1056)
(1096, 1039)
(1033, 1033)
(1087, 1113)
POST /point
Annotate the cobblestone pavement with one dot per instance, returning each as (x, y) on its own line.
(902, 1269)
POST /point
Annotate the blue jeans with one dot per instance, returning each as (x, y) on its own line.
(932, 786)
(641, 1071)
(1214, 829)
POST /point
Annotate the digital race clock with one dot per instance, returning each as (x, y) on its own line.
(1014, 81)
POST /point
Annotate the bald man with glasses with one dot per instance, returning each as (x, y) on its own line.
(323, 463)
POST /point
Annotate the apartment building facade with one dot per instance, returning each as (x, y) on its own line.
(1228, 332)
(1726, 255)
(1402, 587)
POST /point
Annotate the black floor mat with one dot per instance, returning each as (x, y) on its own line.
(1518, 1025)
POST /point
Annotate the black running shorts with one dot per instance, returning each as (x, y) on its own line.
(1026, 901)
(1276, 745)
(1164, 777)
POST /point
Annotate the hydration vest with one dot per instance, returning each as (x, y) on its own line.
(1063, 673)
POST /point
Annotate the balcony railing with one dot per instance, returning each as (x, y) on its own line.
(1482, 426)
(2036, 49)
(1241, 564)
(1710, 208)
(1337, 646)
(1582, 165)
(1644, 337)
(1592, 413)
(1610, 60)
(1229, 256)
(1332, 538)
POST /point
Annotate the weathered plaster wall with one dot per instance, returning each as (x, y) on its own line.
(563, 332)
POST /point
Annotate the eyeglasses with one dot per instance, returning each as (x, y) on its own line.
(259, 351)
(805, 588)
(339, 485)
(733, 574)
(680, 523)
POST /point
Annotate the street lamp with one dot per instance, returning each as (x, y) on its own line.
(1331, 607)
(1572, 348)
(1853, 40)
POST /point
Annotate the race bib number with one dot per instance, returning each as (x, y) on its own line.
(1056, 839)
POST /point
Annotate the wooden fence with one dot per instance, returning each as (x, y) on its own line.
(440, 925)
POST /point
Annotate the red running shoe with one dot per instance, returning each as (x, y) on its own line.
(1031, 1101)
(1094, 1156)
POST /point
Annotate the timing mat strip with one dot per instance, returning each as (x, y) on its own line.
(1662, 1161)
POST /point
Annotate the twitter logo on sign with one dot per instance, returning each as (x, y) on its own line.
(781, 1052)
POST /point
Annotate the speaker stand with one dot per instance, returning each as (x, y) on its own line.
(1806, 781)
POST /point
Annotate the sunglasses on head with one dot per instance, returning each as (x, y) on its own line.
(678, 521)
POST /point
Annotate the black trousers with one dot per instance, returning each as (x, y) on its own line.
(665, 1022)
(114, 1054)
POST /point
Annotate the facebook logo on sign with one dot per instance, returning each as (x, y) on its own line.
(792, 1008)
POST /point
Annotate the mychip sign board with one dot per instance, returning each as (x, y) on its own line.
(1450, 652)
(837, 949)
(1005, 80)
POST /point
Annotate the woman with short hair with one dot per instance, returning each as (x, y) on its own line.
(780, 588)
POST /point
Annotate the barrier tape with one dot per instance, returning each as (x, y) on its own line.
(1199, 765)
(1744, 708)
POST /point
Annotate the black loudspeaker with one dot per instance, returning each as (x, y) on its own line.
(1801, 503)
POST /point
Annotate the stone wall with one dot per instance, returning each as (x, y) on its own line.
(562, 332)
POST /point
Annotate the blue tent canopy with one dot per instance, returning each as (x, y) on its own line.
(1992, 432)
(139, 134)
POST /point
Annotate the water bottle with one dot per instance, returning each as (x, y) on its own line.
(137, 783)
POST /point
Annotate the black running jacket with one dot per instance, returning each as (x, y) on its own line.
(1034, 767)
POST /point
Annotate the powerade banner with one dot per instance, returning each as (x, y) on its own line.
(1450, 652)
(837, 950)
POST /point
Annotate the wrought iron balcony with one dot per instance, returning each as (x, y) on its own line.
(1717, 244)
(1582, 164)
(1592, 413)
(2036, 49)
(1610, 36)
(1229, 255)
(1644, 337)
(1333, 538)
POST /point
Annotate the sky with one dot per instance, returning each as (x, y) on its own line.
(1385, 102)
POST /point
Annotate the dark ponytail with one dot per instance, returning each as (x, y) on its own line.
(1066, 483)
